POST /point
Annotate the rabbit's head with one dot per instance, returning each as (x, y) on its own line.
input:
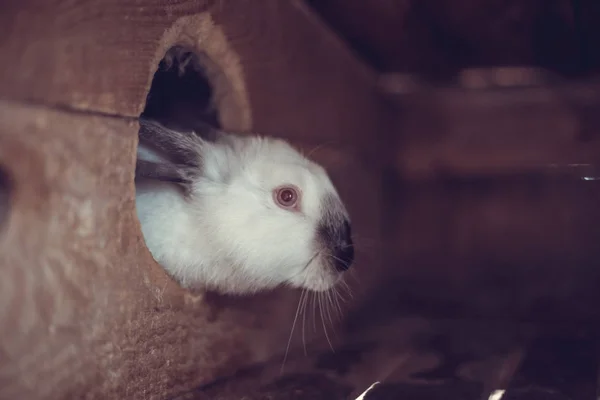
(261, 213)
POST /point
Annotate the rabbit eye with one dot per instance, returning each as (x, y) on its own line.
(287, 197)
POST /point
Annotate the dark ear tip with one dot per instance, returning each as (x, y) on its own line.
(146, 122)
(183, 150)
(165, 172)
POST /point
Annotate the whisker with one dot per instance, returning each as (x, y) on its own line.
(320, 297)
(339, 299)
(317, 147)
(352, 274)
(338, 307)
(314, 303)
(329, 304)
(314, 149)
(338, 259)
(309, 262)
(287, 349)
(331, 311)
(334, 309)
(303, 312)
(345, 287)
(326, 307)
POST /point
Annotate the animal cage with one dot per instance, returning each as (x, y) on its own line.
(469, 162)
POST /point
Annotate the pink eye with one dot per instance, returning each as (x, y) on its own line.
(286, 197)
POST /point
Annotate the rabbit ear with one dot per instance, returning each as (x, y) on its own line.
(182, 148)
(165, 171)
(182, 153)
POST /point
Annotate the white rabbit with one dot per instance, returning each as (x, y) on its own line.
(238, 213)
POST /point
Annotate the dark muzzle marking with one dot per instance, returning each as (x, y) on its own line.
(335, 233)
(344, 252)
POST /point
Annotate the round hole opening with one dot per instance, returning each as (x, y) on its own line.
(181, 94)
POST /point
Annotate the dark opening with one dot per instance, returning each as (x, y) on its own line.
(181, 94)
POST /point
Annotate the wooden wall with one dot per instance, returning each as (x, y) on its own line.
(493, 200)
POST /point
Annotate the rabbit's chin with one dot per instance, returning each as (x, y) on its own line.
(318, 279)
(321, 285)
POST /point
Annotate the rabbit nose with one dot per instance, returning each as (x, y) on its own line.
(344, 251)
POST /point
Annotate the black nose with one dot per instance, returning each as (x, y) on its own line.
(344, 249)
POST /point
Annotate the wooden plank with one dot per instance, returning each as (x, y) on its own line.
(85, 54)
(281, 71)
(494, 121)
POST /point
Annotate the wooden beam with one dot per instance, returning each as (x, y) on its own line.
(277, 68)
(493, 122)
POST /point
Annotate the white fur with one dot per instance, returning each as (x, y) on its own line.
(229, 235)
